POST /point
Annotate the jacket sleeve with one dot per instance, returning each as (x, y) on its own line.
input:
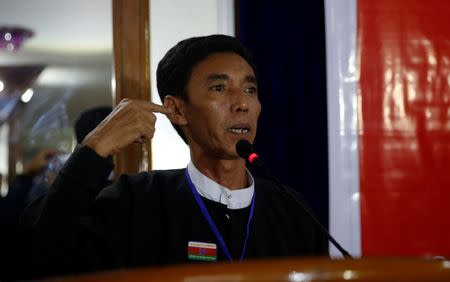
(56, 234)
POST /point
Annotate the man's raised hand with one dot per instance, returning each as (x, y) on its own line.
(131, 121)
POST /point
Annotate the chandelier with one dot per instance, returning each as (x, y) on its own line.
(12, 37)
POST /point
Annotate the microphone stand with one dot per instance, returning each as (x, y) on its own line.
(256, 161)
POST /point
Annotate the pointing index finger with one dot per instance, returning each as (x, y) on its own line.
(158, 108)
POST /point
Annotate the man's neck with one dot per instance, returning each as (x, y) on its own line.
(231, 174)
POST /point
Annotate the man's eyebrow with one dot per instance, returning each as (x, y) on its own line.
(217, 76)
(223, 76)
(250, 78)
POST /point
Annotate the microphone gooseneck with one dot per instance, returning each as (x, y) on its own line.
(245, 150)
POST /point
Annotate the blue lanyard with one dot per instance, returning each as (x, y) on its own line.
(211, 222)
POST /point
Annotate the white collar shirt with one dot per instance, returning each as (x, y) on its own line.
(209, 189)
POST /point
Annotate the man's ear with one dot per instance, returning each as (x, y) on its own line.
(177, 106)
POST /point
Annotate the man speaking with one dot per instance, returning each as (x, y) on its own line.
(213, 210)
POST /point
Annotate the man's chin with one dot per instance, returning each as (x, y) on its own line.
(231, 154)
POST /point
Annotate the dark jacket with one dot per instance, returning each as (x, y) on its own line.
(149, 219)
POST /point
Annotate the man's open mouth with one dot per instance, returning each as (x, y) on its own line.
(239, 130)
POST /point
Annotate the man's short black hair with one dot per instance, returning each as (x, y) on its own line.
(174, 70)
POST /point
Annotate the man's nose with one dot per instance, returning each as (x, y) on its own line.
(240, 102)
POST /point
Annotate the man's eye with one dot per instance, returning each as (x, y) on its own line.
(251, 90)
(219, 88)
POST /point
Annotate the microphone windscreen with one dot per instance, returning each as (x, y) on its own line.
(244, 149)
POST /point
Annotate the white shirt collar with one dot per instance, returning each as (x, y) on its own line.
(208, 188)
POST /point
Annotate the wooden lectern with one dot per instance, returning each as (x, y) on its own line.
(294, 270)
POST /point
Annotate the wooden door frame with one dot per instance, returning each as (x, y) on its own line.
(131, 45)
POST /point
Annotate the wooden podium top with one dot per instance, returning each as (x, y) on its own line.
(295, 270)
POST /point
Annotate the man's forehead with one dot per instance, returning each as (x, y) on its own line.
(223, 66)
(226, 58)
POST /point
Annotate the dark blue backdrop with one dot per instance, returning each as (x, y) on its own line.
(287, 40)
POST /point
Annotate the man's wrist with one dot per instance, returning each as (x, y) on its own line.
(96, 147)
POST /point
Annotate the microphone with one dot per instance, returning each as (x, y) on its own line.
(245, 150)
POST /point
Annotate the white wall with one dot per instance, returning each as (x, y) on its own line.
(343, 162)
(170, 22)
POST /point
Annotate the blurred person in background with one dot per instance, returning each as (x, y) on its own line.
(36, 180)
(40, 172)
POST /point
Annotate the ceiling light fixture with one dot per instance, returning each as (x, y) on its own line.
(13, 37)
(27, 95)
